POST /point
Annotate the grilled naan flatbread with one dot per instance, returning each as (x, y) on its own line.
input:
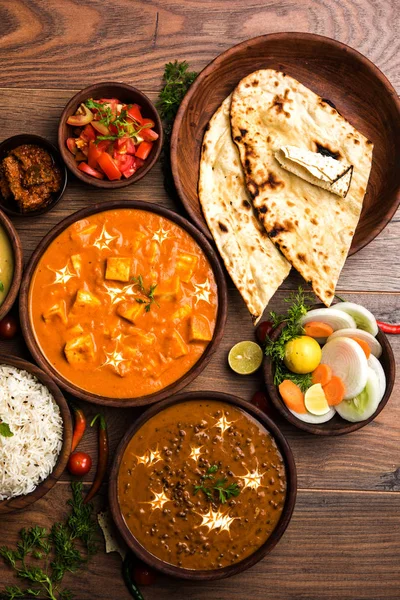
(256, 266)
(311, 226)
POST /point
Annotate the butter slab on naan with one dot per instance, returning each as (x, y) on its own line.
(312, 227)
(255, 265)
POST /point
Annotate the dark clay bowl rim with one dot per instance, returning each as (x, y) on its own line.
(187, 377)
(215, 64)
(38, 140)
(21, 502)
(260, 553)
(18, 264)
(342, 426)
(93, 90)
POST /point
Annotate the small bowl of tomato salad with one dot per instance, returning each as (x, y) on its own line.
(110, 135)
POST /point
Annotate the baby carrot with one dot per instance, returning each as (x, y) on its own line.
(334, 391)
(316, 329)
(364, 346)
(322, 374)
(292, 396)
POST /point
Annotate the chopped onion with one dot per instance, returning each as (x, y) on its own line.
(363, 317)
(374, 345)
(347, 361)
(376, 366)
(337, 319)
(364, 404)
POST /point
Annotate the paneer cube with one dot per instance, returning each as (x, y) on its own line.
(85, 299)
(199, 329)
(131, 311)
(177, 346)
(182, 313)
(74, 331)
(154, 253)
(80, 350)
(170, 289)
(142, 337)
(119, 268)
(58, 310)
(81, 229)
(76, 260)
(185, 265)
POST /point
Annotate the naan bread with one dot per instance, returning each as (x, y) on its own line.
(312, 227)
(256, 266)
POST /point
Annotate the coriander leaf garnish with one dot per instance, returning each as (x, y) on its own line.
(5, 430)
(216, 490)
(57, 550)
(149, 294)
(1, 286)
(177, 81)
(300, 303)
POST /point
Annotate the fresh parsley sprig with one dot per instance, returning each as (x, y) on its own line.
(149, 294)
(300, 304)
(217, 490)
(177, 80)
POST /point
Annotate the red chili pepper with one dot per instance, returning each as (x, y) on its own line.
(102, 458)
(388, 328)
(79, 426)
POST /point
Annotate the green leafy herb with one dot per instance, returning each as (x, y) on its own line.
(58, 550)
(300, 303)
(5, 430)
(216, 490)
(1, 286)
(149, 294)
(177, 80)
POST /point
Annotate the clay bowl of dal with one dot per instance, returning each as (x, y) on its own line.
(177, 445)
(11, 264)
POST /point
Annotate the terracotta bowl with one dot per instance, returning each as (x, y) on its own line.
(268, 545)
(337, 425)
(18, 264)
(21, 502)
(41, 359)
(9, 206)
(357, 88)
(125, 93)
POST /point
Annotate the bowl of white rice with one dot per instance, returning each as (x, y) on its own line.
(35, 433)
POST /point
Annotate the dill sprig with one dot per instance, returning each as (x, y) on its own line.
(300, 304)
(57, 549)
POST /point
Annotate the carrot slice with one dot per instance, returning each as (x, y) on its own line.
(317, 329)
(334, 391)
(364, 345)
(322, 374)
(292, 396)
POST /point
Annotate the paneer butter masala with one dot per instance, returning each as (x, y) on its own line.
(202, 485)
(123, 303)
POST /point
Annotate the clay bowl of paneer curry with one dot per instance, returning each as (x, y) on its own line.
(203, 486)
(123, 303)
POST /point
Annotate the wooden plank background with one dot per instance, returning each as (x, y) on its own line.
(343, 541)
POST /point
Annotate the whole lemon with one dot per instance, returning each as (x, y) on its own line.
(302, 354)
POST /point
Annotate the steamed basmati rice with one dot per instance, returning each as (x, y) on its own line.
(29, 456)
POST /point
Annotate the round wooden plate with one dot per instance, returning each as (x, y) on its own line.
(269, 544)
(337, 425)
(204, 359)
(357, 88)
(18, 264)
(20, 502)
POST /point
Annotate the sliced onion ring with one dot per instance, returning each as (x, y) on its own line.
(347, 361)
(374, 345)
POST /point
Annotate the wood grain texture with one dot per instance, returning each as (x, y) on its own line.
(324, 554)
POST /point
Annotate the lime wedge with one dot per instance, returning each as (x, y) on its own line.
(245, 357)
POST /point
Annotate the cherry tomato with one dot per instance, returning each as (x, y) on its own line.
(264, 329)
(8, 327)
(143, 575)
(79, 463)
(85, 168)
(261, 401)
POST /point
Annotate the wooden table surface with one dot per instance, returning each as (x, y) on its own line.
(343, 541)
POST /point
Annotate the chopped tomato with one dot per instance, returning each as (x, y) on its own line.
(125, 145)
(113, 129)
(101, 128)
(148, 122)
(79, 119)
(144, 150)
(94, 152)
(108, 165)
(135, 114)
(71, 145)
(149, 135)
(104, 145)
(112, 103)
(84, 167)
(126, 164)
(88, 134)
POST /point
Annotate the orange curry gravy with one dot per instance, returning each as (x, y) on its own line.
(123, 303)
(209, 444)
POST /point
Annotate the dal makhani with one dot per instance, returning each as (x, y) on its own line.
(123, 303)
(6, 264)
(202, 485)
